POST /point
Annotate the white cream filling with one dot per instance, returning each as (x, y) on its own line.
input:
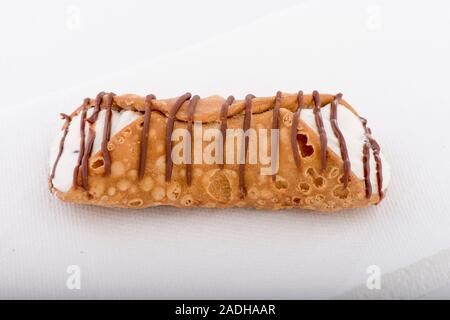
(355, 138)
(67, 162)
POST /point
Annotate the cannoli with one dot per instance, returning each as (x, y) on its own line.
(308, 151)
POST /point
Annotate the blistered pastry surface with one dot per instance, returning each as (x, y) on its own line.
(305, 188)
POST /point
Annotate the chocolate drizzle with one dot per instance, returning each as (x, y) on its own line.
(376, 154)
(340, 137)
(246, 126)
(276, 126)
(107, 134)
(366, 164)
(223, 127)
(169, 129)
(190, 115)
(87, 146)
(320, 129)
(87, 154)
(61, 144)
(98, 101)
(76, 170)
(144, 134)
(295, 121)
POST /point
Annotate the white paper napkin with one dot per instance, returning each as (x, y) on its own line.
(392, 73)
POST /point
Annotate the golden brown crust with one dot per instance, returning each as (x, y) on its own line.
(212, 187)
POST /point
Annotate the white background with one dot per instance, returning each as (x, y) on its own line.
(389, 58)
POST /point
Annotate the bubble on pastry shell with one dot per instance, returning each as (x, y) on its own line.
(158, 193)
(97, 165)
(275, 200)
(120, 140)
(341, 192)
(287, 119)
(123, 185)
(261, 202)
(111, 191)
(296, 200)
(132, 174)
(219, 187)
(187, 200)
(308, 200)
(146, 184)
(281, 183)
(117, 169)
(334, 172)
(304, 187)
(253, 193)
(136, 202)
(319, 182)
(160, 164)
(310, 172)
(319, 198)
(288, 200)
(330, 205)
(110, 146)
(173, 190)
(126, 132)
(97, 189)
